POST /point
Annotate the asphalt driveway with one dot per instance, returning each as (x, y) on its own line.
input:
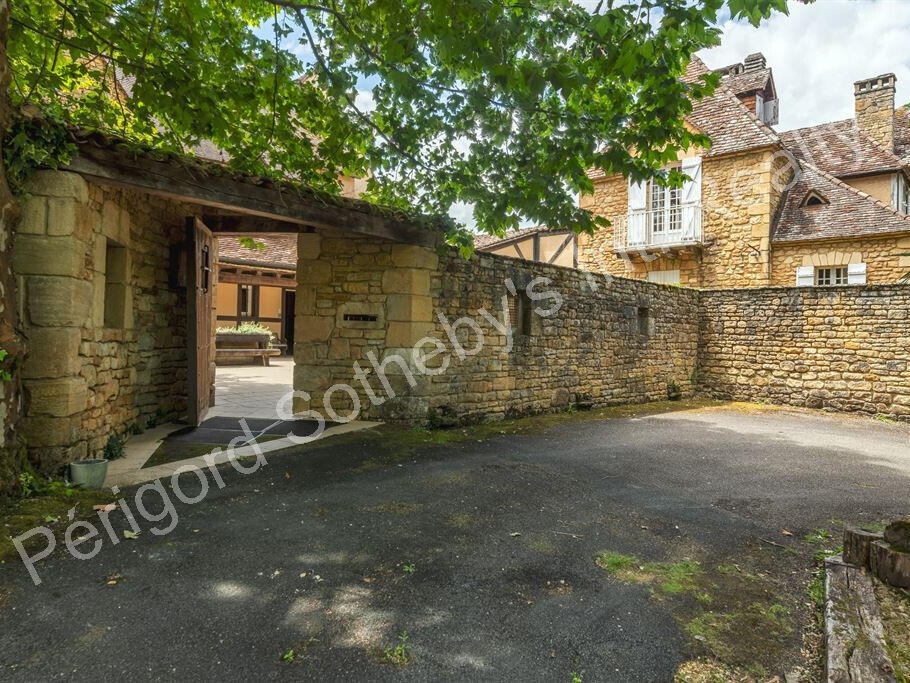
(611, 549)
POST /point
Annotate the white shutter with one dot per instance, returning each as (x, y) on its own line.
(637, 196)
(664, 277)
(691, 166)
(772, 112)
(895, 191)
(805, 276)
(760, 107)
(903, 194)
(638, 218)
(691, 197)
(856, 274)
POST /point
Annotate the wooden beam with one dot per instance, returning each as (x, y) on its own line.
(561, 248)
(251, 224)
(259, 279)
(183, 183)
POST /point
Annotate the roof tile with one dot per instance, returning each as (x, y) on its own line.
(849, 213)
(840, 148)
(280, 251)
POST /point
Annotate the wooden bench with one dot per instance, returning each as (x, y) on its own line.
(262, 355)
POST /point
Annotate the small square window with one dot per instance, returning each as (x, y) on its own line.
(520, 314)
(644, 321)
(831, 276)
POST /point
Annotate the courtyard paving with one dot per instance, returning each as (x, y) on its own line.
(252, 391)
(611, 547)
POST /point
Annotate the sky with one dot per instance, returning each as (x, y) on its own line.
(819, 50)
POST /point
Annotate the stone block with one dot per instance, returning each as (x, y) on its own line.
(56, 397)
(40, 255)
(110, 221)
(309, 245)
(47, 431)
(33, 218)
(58, 184)
(305, 300)
(311, 378)
(98, 300)
(58, 301)
(400, 334)
(312, 327)
(409, 308)
(406, 281)
(314, 271)
(412, 256)
(61, 216)
(340, 349)
(53, 352)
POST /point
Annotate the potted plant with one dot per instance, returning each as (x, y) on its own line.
(674, 393)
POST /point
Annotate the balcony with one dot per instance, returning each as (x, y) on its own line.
(671, 228)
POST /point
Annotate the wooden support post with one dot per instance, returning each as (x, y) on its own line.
(856, 546)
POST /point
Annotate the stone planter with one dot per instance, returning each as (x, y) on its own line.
(88, 474)
(242, 341)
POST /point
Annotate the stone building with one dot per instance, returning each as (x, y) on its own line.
(119, 258)
(823, 205)
(257, 285)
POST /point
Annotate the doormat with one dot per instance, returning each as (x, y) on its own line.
(219, 432)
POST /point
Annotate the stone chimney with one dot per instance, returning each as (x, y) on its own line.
(754, 62)
(875, 108)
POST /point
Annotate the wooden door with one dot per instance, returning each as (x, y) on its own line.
(200, 297)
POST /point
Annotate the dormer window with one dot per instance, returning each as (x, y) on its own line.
(814, 199)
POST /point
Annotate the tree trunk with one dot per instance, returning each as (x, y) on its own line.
(12, 451)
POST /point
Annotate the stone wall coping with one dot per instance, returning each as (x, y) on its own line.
(519, 263)
(811, 290)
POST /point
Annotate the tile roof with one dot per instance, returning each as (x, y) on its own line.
(726, 120)
(840, 148)
(280, 251)
(484, 242)
(747, 81)
(849, 212)
(723, 118)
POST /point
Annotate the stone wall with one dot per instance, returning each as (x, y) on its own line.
(621, 342)
(357, 298)
(841, 348)
(602, 341)
(89, 372)
(739, 200)
(886, 258)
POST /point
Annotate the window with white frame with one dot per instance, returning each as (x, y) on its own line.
(664, 205)
(831, 275)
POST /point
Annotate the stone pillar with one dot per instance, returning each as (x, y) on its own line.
(55, 293)
(361, 300)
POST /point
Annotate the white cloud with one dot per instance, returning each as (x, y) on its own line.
(820, 50)
(463, 213)
(364, 100)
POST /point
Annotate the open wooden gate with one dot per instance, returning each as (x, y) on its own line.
(201, 255)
